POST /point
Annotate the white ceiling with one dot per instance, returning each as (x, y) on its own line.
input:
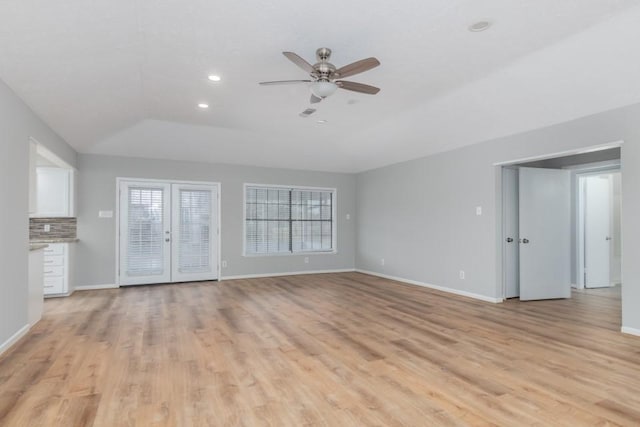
(124, 77)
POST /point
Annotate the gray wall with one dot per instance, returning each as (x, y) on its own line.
(97, 191)
(17, 124)
(420, 215)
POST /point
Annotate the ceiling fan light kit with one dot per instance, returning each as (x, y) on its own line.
(322, 89)
(326, 78)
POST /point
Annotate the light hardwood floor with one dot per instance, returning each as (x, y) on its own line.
(331, 350)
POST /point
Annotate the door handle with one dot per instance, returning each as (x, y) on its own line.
(608, 238)
(509, 239)
(167, 239)
(525, 240)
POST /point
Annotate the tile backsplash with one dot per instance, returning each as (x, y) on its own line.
(60, 228)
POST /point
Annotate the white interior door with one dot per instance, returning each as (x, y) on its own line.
(545, 221)
(597, 230)
(145, 226)
(194, 233)
(511, 233)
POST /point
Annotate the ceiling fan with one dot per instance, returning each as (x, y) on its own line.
(326, 78)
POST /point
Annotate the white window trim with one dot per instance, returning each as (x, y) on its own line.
(334, 236)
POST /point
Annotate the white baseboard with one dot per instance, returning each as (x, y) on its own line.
(96, 287)
(68, 294)
(436, 287)
(630, 331)
(289, 273)
(14, 338)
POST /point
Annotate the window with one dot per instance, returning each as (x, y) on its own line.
(285, 220)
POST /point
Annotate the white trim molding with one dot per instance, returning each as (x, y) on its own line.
(436, 287)
(67, 294)
(630, 331)
(96, 287)
(289, 273)
(583, 150)
(14, 338)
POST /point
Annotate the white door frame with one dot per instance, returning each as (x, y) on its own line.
(590, 171)
(119, 180)
(503, 239)
(500, 232)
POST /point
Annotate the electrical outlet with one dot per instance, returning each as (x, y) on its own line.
(462, 274)
(306, 260)
(382, 261)
(47, 228)
(224, 264)
(478, 210)
(348, 217)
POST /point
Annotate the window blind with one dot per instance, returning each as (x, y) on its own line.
(145, 255)
(195, 233)
(288, 220)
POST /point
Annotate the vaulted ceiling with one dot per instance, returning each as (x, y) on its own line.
(124, 77)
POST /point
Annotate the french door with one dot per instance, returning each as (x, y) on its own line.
(168, 232)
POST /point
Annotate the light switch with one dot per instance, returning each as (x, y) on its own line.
(105, 214)
(478, 210)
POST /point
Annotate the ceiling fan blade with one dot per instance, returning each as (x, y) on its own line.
(296, 59)
(358, 87)
(315, 99)
(307, 112)
(356, 67)
(285, 82)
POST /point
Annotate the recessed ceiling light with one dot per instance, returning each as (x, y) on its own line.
(214, 78)
(203, 105)
(479, 26)
(322, 122)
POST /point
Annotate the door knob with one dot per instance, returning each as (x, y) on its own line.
(167, 239)
(525, 240)
(509, 239)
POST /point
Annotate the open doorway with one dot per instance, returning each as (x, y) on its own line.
(561, 225)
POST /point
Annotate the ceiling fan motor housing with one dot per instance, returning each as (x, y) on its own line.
(324, 70)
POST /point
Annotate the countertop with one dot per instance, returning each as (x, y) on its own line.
(37, 246)
(55, 240)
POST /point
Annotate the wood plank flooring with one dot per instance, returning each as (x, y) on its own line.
(320, 350)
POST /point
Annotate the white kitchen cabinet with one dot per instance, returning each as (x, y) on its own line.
(58, 259)
(54, 188)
